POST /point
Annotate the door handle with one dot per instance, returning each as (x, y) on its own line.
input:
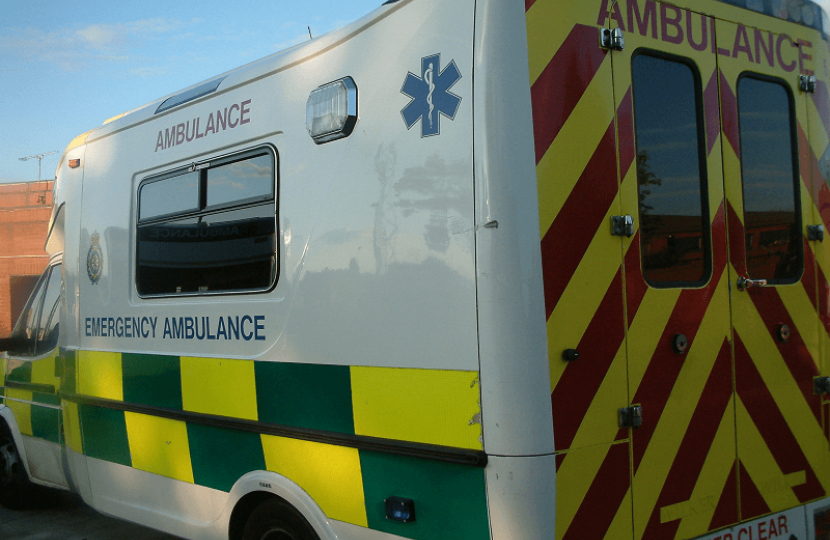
(745, 283)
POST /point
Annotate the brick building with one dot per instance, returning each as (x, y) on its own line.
(24, 217)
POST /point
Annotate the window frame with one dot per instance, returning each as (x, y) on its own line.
(703, 167)
(796, 164)
(38, 297)
(202, 166)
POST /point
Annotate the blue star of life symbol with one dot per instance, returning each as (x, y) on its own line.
(431, 96)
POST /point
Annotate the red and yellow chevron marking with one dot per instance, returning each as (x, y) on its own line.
(707, 455)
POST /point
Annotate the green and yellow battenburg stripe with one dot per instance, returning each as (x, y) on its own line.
(424, 407)
(29, 389)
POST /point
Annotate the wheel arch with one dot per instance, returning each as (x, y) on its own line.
(7, 418)
(257, 486)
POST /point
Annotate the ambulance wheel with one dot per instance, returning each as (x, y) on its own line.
(275, 519)
(16, 491)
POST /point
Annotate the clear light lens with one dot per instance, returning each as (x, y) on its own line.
(331, 110)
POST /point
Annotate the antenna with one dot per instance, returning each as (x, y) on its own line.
(309, 32)
(39, 157)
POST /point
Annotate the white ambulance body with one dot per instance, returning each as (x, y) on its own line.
(392, 248)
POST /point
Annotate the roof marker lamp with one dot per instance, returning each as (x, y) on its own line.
(331, 111)
(400, 509)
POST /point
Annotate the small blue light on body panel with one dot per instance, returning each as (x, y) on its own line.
(400, 509)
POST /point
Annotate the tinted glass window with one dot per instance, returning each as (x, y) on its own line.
(229, 244)
(770, 181)
(671, 172)
(47, 329)
(250, 179)
(33, 326)
(169, 196)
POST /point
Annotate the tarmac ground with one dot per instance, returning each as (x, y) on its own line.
(71, 519)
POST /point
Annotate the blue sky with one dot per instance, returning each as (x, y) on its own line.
(66, 67)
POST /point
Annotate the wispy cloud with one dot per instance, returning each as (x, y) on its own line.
(71, 47)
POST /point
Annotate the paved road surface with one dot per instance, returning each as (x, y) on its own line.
(71, 519)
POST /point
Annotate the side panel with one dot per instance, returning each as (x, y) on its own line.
(575, 133)
(783, 456)
(368, 340)
(676, 280)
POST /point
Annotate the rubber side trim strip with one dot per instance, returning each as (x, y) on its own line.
(434, 452)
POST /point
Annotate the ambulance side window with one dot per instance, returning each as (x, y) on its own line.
(37, 327)
(46, 338)
(209, 228)
(769, 170)
(671, 171)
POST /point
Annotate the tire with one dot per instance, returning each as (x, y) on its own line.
(17, 492)
(275, 519)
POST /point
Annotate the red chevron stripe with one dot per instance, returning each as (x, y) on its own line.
(796, 355)
(579, 384)
(808, 279)
(811, 176)
(604, 497)
(688, 463)
(752, 502)
(625, 121)
(737, 241)
(726, 513)
(816, 286)
(712, 106)
(665, 365)
(559, 88)
(529, 4)
(729, 108)
(772, 426)
(821, 99)
(635, 285)
(576, 224)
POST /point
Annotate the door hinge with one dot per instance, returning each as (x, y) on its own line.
(807, 83)
(821, 385)
(611, 39)
(630, 417)
(815, 233)
(622, 226)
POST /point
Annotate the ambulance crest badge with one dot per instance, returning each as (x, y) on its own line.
(431, 96)
(94, 260)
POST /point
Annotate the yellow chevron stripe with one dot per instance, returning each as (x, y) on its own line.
(572, 149)
(622, 525)
(713, 476)
(803, 314)
(646, 330)
(573, 480)
(817, 133)
(761, 465)
(781, 385)
(598, 426)
(583, 295)
(680, 407)
(548, 25)
(734, 186)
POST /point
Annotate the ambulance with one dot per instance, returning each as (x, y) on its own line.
(460, 270)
